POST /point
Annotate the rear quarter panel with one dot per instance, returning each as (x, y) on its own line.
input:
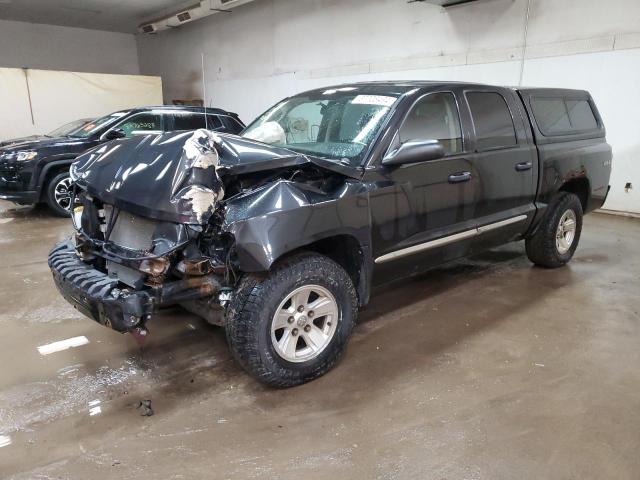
(566, 161)
(563, 158)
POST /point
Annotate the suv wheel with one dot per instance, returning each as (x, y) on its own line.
(58, 194)
(292, 325)
(556, 239)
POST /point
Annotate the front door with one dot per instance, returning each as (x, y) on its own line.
(421, 216)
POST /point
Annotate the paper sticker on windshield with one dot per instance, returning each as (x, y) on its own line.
(382, 100)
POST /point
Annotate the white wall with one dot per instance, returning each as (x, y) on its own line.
(268, 49)
(51, 47)
(73, 73)
(61, 97)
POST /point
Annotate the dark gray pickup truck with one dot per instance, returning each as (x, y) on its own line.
(280, 233)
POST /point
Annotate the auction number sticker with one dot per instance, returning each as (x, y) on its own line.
(382, 100)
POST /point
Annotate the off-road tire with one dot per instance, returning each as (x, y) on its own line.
(541, 246)
(248, 321)
(50, 195)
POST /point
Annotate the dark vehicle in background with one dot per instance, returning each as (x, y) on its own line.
(62, 131)
(37, 170)
(280, 234)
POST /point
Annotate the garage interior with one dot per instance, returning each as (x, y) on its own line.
(487, 367)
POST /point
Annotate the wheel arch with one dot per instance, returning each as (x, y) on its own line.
(353, 255)
(346, 251)
(580, 187)
(49, 171)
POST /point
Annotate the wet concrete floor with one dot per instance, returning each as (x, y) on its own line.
(488, 368)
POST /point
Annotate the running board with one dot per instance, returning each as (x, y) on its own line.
(456, 237)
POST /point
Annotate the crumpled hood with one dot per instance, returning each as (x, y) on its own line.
(176, 176)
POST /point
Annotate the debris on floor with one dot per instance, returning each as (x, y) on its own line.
(145, 408)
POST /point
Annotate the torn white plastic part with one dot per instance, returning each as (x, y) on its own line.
(200, 149)
(202, 200)
(201, 187)
(268, 132)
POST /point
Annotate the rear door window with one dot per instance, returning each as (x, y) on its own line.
(194, 121)
(214, 122)
(492, 120)
(188, 121)
(231, 124)
(560, 116)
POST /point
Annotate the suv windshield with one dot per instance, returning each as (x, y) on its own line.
(90, 128)
(67, 128)
(336, 124)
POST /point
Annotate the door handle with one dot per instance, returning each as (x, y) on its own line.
(460, 177)
(521, 167)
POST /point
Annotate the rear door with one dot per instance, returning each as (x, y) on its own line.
(506, 161)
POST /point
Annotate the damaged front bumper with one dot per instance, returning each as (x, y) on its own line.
(109, 302)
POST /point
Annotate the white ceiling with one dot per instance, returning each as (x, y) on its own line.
(111, 15)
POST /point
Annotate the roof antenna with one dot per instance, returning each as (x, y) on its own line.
(524, 42)
(204, 95)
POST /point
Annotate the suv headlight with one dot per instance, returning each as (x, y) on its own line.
(24, 156)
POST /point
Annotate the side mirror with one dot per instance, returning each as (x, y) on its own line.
(115, 134)
(414, 151)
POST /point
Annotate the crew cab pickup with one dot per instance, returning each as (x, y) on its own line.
(279, 234)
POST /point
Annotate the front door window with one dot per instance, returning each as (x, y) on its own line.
(434, 117)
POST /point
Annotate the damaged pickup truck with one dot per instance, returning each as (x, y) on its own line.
(279, 234)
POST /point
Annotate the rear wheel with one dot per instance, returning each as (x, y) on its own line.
(291, 326)
(556, 239)
(58, 194)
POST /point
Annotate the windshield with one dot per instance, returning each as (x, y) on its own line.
(336, 124)
(92, 127)
(67, 128)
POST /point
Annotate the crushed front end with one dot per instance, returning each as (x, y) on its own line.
(119, 267)
(178, 218)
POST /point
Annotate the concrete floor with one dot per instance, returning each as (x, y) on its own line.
(488, 368)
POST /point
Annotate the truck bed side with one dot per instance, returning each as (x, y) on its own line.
(575, 159)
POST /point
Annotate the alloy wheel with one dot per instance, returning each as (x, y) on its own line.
(62, 193)
(304, 323)
(566, 231)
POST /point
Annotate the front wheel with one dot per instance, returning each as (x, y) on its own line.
(291, 326)
(58, 194)
(556, 239)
